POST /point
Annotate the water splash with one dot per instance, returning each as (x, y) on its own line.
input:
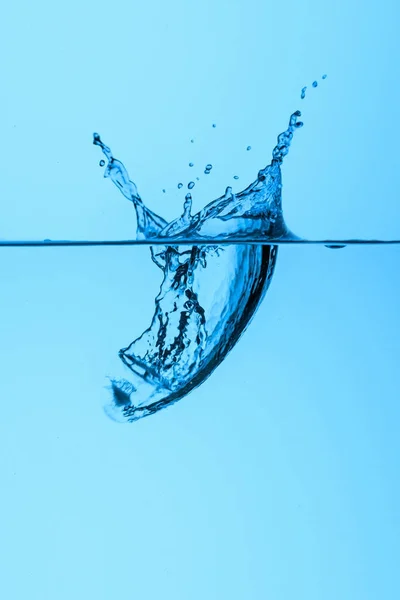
(208, 294)
(314, 85)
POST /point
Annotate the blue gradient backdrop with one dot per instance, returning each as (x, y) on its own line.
(279, 477)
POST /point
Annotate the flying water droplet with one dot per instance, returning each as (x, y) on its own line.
(248, 148)
(191, 185)
(163, 191)
(187, 207)
(180, 186)
(315, 84)
(303, 92)
(324, 76)
(102, 163)
(214, 125)
(236, 177)
(191, 164)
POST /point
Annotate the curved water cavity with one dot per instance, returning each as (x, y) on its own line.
(208, 294)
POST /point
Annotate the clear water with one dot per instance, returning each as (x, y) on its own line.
(278, 477)
(233, 240)
(196, 323)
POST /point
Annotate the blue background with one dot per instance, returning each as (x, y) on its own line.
(278, 478)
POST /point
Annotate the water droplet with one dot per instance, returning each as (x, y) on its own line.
(192, 141)
(299, 124)
(198, 178)
(191, 185)
(236, 177)
(335, 246)
(208, 167)
(102, 163)
(315, 83)
(214, 125)
(191, 164)
(187, 207)
(248, 148)
(324, 76)
(303, 92)
(180, 185)
(163, 191)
